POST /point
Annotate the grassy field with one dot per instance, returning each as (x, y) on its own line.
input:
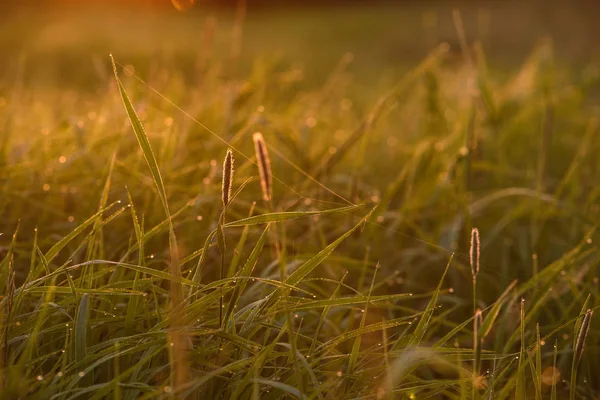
(346, 267)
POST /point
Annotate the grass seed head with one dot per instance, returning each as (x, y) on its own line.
(474, 252)
(581, 337)
(264, 165)
(227, 178)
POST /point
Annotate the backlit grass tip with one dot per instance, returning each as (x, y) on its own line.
(474, 252)
(264, 165)
(227, 178)
(582, 336)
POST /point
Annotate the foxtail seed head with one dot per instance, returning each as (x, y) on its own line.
(227, 178)
(581, 337)
(264, 165)
(474, 252)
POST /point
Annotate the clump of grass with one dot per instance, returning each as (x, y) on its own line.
(104, 300)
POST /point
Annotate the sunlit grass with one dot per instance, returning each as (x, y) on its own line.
(338, 268)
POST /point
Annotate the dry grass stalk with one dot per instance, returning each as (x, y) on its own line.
(264, 165)
(227, 177)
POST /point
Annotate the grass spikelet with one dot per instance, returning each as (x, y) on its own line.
(264, 165)
(581, 337)
(474, 252)
(227, 177)
(578, 348)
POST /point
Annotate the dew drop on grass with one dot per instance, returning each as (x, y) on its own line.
(39, 378)
(199, 218)
(71, 218)
(62, 159)
(59, 374)
(81, 373)
(167, 389)
(46, 187)
(18, 323)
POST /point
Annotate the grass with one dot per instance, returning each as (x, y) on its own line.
(126, 274)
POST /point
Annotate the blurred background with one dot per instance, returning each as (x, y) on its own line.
(65, 41)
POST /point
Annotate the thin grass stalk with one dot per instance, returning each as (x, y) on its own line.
(554, 378)
(474, 252)
(225, 198)
(578, 349)
(5, 317)
(520, 388)
(477, 341)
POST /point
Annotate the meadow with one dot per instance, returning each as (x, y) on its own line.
(309, 204)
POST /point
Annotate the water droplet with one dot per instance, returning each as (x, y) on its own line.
(81, 373)
(39, 378)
